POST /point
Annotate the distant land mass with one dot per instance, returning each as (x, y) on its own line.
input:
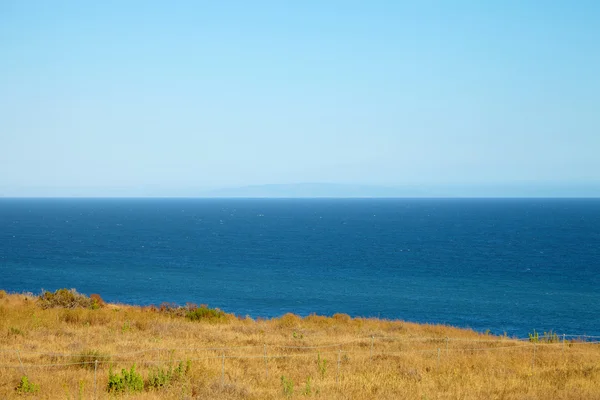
(316, 190)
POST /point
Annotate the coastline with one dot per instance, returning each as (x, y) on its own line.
(221, 356)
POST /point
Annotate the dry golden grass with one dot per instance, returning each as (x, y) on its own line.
(404, 362)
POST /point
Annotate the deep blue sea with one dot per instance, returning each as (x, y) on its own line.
(507, 265)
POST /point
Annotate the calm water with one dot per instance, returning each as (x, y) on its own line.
(504, 265)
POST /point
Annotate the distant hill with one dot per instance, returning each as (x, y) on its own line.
(305, 190)
(318, 190)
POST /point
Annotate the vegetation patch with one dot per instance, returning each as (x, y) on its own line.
(163, 376)
(65, 298)
(345, 318)
(127, 381)
(289, 320)
(203, 313)
(246, 359)
(287, 386)
(321, 366)
(87, 358)
(97, 301)
(547, 337)
(12, 331)
(27, 387)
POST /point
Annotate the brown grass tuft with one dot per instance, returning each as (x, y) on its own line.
(289, 320)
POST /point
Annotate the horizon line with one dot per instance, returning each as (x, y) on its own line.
(299, 197)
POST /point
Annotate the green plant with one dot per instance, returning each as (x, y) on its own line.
(297, 335)
(203, 313)
(161, 377)
(288, 386)
(15, 331)
(551, 337)
(307, 387)
(37, 322)
(97, 301)
(548, 337)
(534, 337)
(321, 366)
(126, 381)
(81, 389)
(26, 387)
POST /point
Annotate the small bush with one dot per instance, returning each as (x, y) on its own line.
(342, 317)
(64, 298)
(173, 310)
(320, 320)
(203, 313)
(289, 320)
(26, 387)
(126, 381)
(2, 294)
(161, 377)
(71, 317)
(87, 358)
(97, 301)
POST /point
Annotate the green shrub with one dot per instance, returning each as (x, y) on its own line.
(26, 387)
(534, 337)
(64, 298)
(161, 377)
(203, 313)
(126, 381)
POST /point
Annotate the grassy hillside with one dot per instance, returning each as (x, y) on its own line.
(49, 347)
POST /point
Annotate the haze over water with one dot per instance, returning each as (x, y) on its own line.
(508, 265)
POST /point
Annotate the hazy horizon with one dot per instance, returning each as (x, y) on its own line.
(324, 190)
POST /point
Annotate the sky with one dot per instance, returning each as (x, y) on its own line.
(167, 98)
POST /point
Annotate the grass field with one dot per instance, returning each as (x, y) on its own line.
(198, 352)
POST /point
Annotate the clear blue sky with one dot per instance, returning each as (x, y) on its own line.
(166, 97)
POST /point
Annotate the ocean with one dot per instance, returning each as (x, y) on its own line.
(504, 265)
